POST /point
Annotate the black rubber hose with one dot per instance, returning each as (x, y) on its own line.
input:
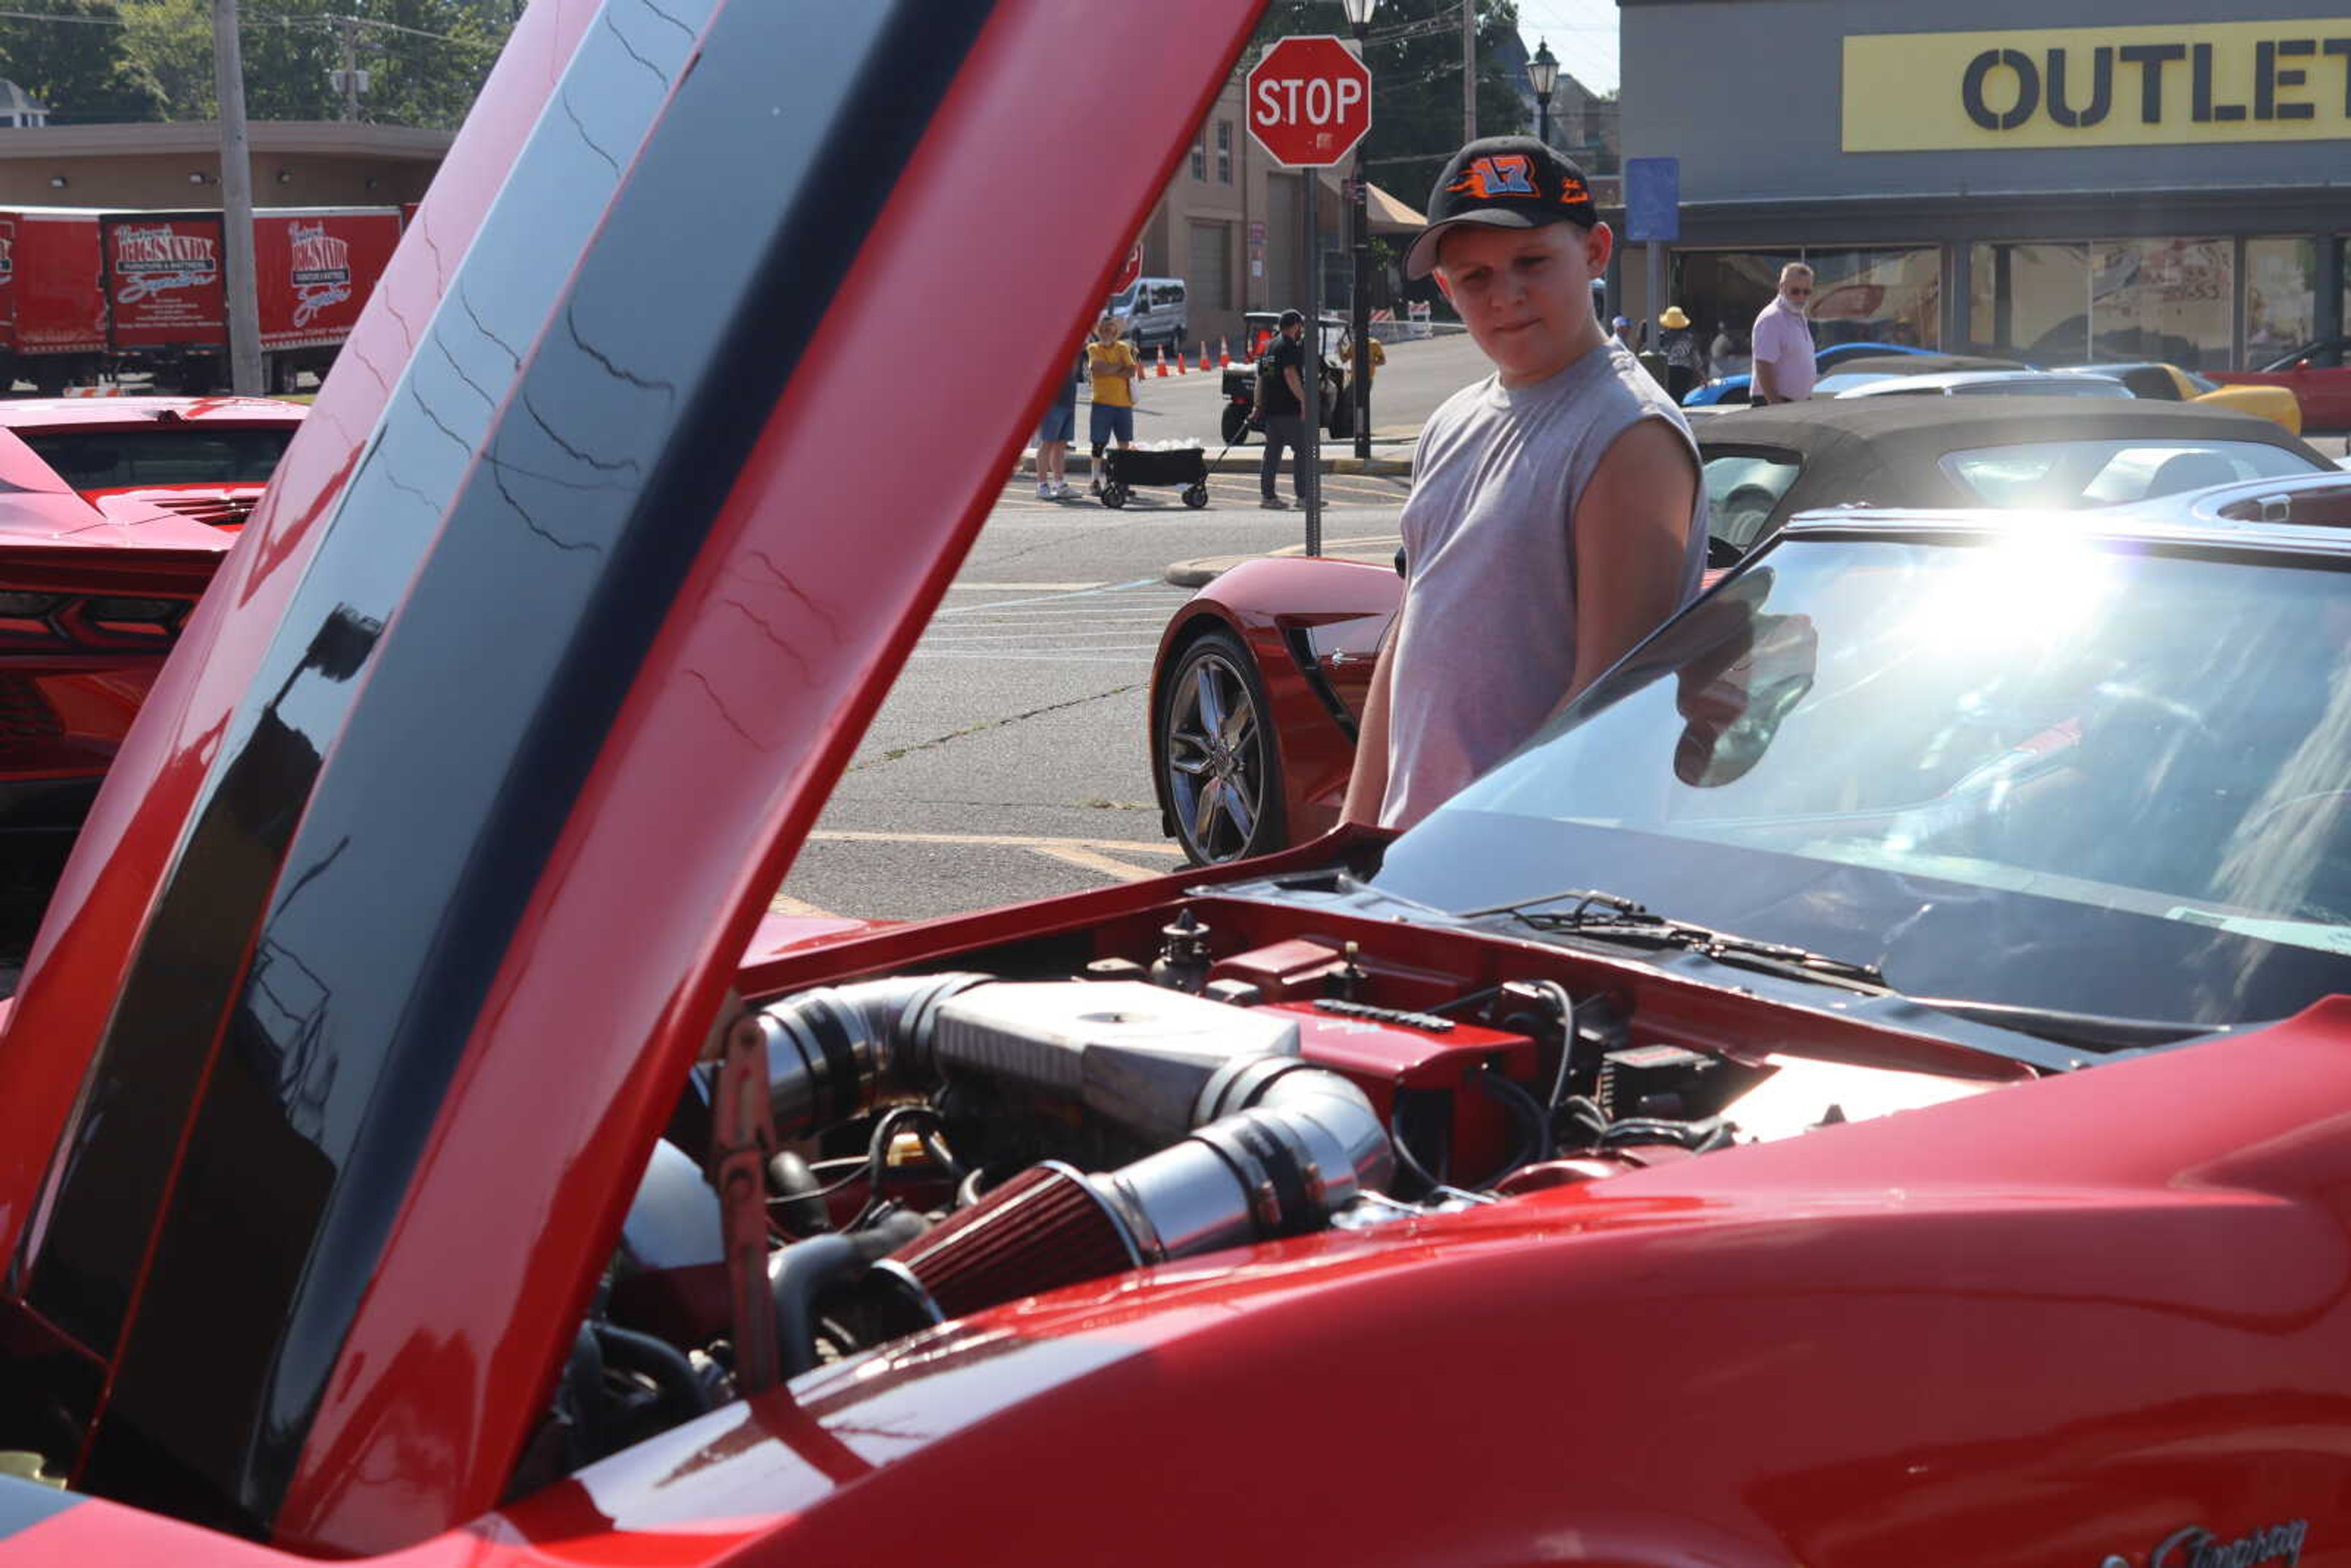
(798, 1197)
(681, 1394)
(796, 1275)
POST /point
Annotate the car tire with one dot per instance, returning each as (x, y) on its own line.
(1219, 769)
(1236, 424)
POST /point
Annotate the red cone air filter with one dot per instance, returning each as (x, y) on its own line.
(1043, 1228)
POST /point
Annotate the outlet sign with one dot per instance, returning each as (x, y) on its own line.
(2143, 85)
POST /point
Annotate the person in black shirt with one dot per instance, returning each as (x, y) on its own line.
(1282, 399)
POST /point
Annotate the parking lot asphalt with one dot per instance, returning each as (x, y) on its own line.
(1011, 759)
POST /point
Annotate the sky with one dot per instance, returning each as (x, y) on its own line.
(1583, 37)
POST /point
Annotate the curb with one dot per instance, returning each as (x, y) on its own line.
(1206, 569)
(1373, 467)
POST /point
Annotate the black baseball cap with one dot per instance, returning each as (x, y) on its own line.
(1291, 318)
(1504, 182)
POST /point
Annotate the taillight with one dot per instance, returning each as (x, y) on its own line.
(64, 621)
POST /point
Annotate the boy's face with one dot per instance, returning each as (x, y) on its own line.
(1525, 294)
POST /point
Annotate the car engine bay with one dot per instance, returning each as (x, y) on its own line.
(856, 1162)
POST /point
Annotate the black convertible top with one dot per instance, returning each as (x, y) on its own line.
(1888, 451)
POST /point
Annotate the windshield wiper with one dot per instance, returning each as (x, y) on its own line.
(1610, 916)
(2103, 1032)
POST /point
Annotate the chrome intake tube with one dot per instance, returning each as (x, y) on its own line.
(1289, 1146)
(830, 1050)
(1280, 1147)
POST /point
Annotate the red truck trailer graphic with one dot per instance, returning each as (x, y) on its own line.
(85, 294)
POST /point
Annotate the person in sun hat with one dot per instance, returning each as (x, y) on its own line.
(1556, 516)
(1678, 339)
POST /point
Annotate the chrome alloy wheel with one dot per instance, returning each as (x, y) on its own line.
(1215, 756)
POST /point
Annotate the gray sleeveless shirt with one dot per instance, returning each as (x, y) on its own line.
(1486, 645)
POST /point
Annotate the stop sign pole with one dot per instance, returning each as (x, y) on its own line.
(1310, 102)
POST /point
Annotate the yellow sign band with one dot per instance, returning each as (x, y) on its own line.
(2098, 87)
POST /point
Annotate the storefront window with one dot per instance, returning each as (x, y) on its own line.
(2281, 296)
(1877, 297)
(1722, 291)
(2041, 302)
(2169, 300)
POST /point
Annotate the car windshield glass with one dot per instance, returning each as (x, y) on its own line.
(1741, 488)
(161, 455)
(2070, 475)
(1998, 771)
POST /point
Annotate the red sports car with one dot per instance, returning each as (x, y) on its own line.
(113, 514)
(2319, 376)
(1261, 678)
(203, 458)
(1858, 1093)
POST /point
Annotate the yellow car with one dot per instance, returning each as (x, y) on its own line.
(2169, 383)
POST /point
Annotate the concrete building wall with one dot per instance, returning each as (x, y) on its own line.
(298, 164)
(1748, 94)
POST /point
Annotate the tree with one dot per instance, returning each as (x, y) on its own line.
(78, 67)
(1415, 55)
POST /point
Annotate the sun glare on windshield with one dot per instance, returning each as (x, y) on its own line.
(2033, 588)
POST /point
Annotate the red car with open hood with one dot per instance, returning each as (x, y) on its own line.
(1854, 1095)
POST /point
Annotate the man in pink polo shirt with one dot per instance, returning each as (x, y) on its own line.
(1784, 369)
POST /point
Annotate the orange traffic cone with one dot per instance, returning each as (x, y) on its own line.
(1181, 368)
(1204, 366)
(1159, 363)
(1224, 354)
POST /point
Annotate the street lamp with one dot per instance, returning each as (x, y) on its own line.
(1359, 17)
(1543, 75)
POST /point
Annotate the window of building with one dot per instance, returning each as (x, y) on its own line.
(1877, 297)
(1200, 156)
(2167, 299)
(1224, 151)
(1211, 269)
(2281, 296)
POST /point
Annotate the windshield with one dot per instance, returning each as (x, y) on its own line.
(161, 455)
(2106, 473)
(2050, 771)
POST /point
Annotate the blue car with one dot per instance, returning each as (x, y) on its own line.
(1733, 389)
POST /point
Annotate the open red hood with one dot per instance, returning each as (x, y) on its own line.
(424, 872)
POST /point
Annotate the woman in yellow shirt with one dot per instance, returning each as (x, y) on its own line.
(1113, 368)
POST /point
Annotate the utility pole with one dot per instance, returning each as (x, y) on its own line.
(1469, 71)
(236, 205)
(347, 26)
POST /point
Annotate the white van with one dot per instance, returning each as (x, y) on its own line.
(1154, 310)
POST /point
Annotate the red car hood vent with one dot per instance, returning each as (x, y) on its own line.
(223, 510)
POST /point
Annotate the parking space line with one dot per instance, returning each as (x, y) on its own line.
(1022, 587)
(1087, 859)
(1006, 841)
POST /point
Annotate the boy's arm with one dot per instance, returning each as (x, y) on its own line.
(1367, 785)
(1632, 545)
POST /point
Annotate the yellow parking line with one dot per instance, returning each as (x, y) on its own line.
(1086, 860)
(784, 903)
(1006, 841)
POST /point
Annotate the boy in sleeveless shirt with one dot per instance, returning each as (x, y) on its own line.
(1556, 516)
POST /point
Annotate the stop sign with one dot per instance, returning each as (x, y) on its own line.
(1309, 101)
